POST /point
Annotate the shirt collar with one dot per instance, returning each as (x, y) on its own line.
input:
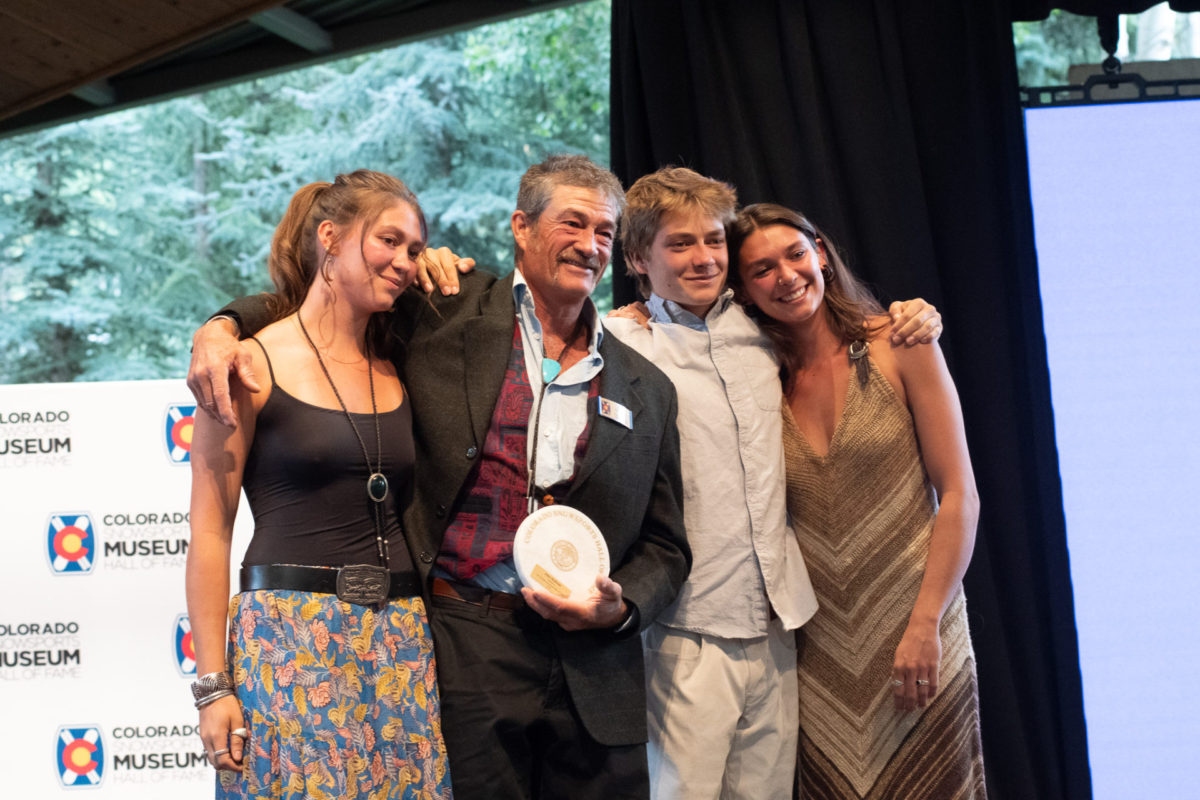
(526, 312)
(663, 310)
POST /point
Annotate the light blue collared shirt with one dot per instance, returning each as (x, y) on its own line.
(562, 409)
(745, 558)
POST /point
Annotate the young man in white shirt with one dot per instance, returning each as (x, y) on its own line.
(721, 659)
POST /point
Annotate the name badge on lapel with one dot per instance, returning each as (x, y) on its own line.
(618, 413)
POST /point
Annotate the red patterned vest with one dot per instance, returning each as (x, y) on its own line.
(481, 533)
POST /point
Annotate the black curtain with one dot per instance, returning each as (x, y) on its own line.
(896, 126)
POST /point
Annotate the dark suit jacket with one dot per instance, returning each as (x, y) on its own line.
(454, 357)
(628, 483)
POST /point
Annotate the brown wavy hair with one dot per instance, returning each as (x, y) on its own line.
(848, 304)
(670, 190)
(296, 256)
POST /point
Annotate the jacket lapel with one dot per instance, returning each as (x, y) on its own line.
(616, 384)
(487, 341)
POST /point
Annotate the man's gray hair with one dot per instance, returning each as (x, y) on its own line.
(540, 181)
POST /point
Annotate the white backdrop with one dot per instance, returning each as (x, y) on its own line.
(1116, 190)
(95, 654)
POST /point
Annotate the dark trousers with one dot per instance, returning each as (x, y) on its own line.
(510, 727)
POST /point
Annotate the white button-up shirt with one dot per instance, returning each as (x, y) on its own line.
(563, 406)
(745, 558)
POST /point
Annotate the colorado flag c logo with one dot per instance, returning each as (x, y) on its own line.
(79, 758)
(185, 652)
(178, 430)
(71, 543)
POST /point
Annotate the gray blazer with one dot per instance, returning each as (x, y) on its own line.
(454, 360)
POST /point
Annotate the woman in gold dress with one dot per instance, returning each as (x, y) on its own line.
(882, 497)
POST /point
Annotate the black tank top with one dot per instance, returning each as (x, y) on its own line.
(306, 481)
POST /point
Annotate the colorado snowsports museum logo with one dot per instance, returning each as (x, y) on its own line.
(185, 653)
(79, 757)
(178, 430)
(71, 543)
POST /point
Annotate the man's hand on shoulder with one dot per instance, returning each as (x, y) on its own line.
(439, 265)
(914, 322)
(216, 353)
(638, 312)
(604, 608)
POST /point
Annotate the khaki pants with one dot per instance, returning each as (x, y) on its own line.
(723, 714)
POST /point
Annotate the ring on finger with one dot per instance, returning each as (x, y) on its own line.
(897, 682)
(242, 732)
(220, 752)
(922, 682)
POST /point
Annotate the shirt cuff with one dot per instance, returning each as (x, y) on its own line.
(630, 624)
(237, 324)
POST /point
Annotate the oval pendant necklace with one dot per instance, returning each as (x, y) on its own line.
(377, 486)
(377, 482)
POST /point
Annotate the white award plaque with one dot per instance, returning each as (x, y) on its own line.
(559, 550)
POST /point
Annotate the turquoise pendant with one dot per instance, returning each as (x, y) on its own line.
(550, 369)
(377, 487)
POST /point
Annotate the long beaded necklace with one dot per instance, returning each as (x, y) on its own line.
(377, 483)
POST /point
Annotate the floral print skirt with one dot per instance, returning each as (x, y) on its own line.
(341, 700)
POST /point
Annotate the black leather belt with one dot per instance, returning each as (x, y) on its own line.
(476, 595)
(361, 584)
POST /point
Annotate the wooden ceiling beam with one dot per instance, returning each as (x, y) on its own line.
(13, 87)
(98, 93)
(296, 28)
(88, 28)
(64, 87)
(42, 57)
(175, 47)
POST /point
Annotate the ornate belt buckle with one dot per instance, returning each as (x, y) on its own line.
(363, 584)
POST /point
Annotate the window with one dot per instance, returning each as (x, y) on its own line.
(1065, 48)
(119, 234)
